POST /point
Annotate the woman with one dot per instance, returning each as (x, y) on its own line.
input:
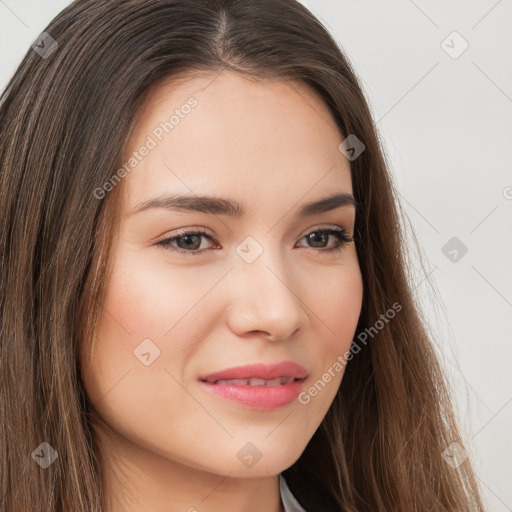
(176, 177)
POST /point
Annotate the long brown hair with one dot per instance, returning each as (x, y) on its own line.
(65, 118)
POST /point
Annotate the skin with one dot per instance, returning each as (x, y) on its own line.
(167, 443)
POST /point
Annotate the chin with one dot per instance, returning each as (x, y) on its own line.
(248, 462)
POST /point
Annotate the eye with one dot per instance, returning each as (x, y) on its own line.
(189, 242)
(320, 235)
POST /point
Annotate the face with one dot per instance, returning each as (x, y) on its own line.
(197, 288)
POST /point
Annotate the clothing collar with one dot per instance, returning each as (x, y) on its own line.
(290, 503)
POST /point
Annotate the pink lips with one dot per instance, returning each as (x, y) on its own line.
(259, 371)
(258, 395)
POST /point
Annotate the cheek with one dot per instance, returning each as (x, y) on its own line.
(133, 377)
(339, 306)
(142, 304)
(334, 322)
(149, 321)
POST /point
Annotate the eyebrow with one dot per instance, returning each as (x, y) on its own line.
(218, 206)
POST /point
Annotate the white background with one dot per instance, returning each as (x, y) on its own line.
(446, 126)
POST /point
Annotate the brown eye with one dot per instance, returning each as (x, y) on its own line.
(321, 236)
(188, 242)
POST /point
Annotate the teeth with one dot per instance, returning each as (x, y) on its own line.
(241, 382)
(274, 382)
(256, 382)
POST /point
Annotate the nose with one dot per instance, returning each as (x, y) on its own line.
(266, 299)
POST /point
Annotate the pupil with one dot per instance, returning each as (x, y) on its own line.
(312, 236)
(190, 240)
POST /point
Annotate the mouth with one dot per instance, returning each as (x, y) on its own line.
(258, 374)
(257, 387)
(279, 381)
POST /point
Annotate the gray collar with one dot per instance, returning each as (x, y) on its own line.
(290, 503)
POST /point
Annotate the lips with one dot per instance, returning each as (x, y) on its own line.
(259, 374)
(257, 386)
(279, 381)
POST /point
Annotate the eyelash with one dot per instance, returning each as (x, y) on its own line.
(339, 233)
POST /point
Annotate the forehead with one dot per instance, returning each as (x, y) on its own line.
(226, 132)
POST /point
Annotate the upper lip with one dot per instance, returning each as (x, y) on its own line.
(259, 371)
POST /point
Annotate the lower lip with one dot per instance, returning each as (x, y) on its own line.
(258, 397)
